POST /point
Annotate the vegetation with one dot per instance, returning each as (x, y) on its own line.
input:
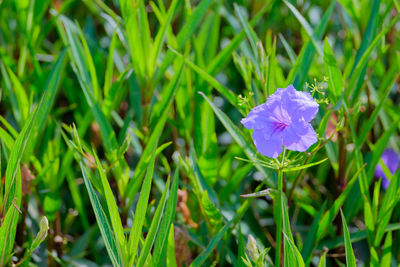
(121, 141)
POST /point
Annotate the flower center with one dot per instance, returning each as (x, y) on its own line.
(280, 126)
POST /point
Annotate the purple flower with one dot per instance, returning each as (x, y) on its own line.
(284, 120)
(391, 160)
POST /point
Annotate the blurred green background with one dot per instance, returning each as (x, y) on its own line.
(98, 87)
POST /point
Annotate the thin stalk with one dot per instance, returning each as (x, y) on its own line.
(279, 219)
(277, 211)
(299, 175)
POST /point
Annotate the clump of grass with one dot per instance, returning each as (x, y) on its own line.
(121, 142)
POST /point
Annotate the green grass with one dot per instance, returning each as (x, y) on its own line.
(121, 142)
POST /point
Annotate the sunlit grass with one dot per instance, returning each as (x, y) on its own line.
(120, 133)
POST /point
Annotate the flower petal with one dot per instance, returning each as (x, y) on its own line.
(391, 160)
(270, 147)
(385, 183)
(299, 104)
(257, 118)
(299, 136)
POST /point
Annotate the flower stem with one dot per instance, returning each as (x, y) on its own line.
(278, 212)
(283, 157)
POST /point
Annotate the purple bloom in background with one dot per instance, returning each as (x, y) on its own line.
(391, 160)
(283, 120)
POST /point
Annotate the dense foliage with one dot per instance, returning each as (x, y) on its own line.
(121, 141)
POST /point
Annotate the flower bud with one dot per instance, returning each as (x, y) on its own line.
(252, 248)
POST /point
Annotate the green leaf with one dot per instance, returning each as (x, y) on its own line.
(160, 37)
(307, 27)
(7, 234)
(20, 95)
(166, 224)
(108, 76)
(161, 119)
(228, 94)
(222, 57)
(155, 225)
(216, 238)
(41, 236)
(50, 92)
(144, 30)
(298, 73)
(288, 48)
(213, 215)
(350, 258)
(210, 247)
(330, 215)
(309, 243)
(184, 34)
(322, 260)
(354, 86)
(379, 148)
(251, 35)
(292, 256)
(387, 84)
(387, 251)
(89, 64)
(335, 80)
(389, 202)
(354, 237)
(101, 218)
(171, 257)
(13, 175)
(77, 54)
(140, 213)
(367, 38)
(291, 169)
(116, 223)
(374, 259)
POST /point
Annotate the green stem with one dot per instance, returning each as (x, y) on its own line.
(283, 157)
(278, 213)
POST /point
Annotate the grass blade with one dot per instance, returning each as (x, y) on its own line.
(335, 80)
(140, 213)
(155, 225)
(387, 250)
(184, 34)
(104, 226)
(135, 182)
(307, 27)
(298, 73)
(292, 169)
(350, 258)
(112, 209)
(354, 86)
(167, 222)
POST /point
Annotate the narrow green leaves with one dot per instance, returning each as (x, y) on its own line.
(140, 213)
(302, 167)
(354, 86)
(335, 80)
(292, 255)
(307, 27)
(7, 235)
(155, 225)
(350, 259)
(167, 222)
(160, 116)
(104, 226)
(112, 209)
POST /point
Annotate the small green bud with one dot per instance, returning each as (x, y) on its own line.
(252, 248)
(41, 236)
